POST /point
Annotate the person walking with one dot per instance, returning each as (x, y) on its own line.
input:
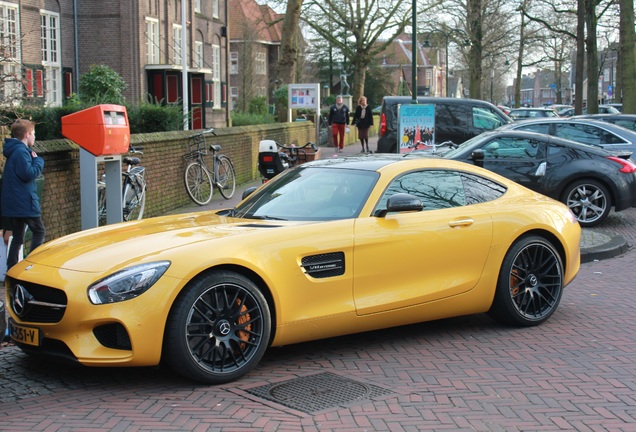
(363, 120)
(20, 202)
(338, 120)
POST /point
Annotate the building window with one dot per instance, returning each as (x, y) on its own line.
(10, 87)
(216, 74)
(234, 63)
(198, 54)
(176, 40)
(260, 64)
(197, 6)
(234, 95)
(215, 8)
(9, 30)
(152, 41)
(50, 35)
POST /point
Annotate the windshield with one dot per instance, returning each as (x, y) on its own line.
(310, 193)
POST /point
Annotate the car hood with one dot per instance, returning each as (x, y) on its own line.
(100, 249)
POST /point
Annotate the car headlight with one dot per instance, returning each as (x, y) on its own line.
(127, 284)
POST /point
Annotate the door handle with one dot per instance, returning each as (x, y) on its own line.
(461, 222)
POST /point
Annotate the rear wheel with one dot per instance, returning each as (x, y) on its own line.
(198, 183)
(218, 329)
(530, 283)
(227, 178)
(589, 201)
(134, 201)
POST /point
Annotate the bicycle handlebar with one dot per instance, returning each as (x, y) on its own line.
(312, 144)
(207, 131)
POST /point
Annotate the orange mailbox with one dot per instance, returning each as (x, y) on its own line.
(102, 129)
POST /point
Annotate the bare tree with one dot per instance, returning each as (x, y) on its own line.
(363, 29)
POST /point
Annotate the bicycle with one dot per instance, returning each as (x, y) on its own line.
(200, 180)
(133, 190)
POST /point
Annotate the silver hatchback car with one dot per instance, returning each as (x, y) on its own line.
(583, 130)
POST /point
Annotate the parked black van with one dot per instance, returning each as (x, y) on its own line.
(456, 120)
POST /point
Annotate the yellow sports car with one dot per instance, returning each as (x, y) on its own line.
(332, 247)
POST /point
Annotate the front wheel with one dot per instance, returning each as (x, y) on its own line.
(198, 183)
(226, 177)
(134, 201)
(218, 328)
(589, 201)
(530, 283)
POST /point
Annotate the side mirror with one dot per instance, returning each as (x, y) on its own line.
(401, 202)
(247, 192)
(478, 157)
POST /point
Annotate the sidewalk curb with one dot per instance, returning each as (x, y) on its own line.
(616, 245)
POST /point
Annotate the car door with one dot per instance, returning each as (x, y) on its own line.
(410, 258)
(519, 159)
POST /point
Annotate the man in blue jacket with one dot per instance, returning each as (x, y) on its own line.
(20, 202)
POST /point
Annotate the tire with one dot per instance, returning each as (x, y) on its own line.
(218, 328)
(530, 283)
(227, 178)
(589, 201)
(101, 204)
(134, 202)
(198, 183)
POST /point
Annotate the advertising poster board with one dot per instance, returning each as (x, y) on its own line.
(304, 96)
(416, 125)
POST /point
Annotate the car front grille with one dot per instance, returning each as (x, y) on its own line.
(36, 303)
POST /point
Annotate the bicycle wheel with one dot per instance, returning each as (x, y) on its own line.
(134, 201)
(198, 183)
(101, 204)
(226, 178)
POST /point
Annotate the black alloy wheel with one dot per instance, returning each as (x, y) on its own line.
(530, 283)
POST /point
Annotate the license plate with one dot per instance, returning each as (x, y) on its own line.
(24, 334)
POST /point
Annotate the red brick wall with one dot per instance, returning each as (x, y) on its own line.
(163, 160)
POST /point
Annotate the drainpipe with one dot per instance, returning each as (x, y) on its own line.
(75, 35)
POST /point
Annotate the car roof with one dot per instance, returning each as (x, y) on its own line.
(604, 116)
(614, 128)
(433, 100)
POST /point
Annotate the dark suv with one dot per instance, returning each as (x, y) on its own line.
(456, 120)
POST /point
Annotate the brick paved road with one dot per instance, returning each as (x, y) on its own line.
(575, 372)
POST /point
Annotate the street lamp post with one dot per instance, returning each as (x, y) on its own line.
(414, 56)
(446, 35)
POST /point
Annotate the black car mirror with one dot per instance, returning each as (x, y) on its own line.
(247, 192)
(478, 157)
(401, 202)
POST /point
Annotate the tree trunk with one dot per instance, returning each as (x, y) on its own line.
(288, 50)
(592, 57)
(580, 56)
(628, 57)
(473, 13)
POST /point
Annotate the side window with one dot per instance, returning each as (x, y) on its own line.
(451, 115)
(609, 138)
(437, 189)
(511, 148)
(577, 132)
(631, 125)
(485, 119)
(479, 190)
(539, 128)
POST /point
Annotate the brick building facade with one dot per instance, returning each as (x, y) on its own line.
(52, 42)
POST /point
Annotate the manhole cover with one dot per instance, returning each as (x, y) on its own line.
(317, 392)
